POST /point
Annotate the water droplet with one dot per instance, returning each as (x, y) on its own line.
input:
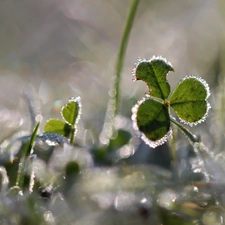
(38, 118)
(15, 191)
(143, 200)
(112, 93)
(104, 200)
(126, 151)
(4, 179)
(167, 198)
(125, 201)
(107, 129)
(49, 217)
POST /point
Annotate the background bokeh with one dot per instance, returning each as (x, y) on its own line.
(68, 48)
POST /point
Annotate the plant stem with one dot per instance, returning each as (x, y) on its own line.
(113, 104)
(172, 145)
(199, 148)
(72, 135)
(122, 51)
(191, 136)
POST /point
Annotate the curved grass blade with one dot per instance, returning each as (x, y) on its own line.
(27, 151)
(151, 118)
(189, 100)
(154, 72)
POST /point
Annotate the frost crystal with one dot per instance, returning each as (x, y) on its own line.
(52, 139)
(208, 106)
(152, 144)
(140, 60)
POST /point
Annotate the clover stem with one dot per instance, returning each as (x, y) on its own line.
(172, 145)
(199, 148)
(72, 135)
(191, 136)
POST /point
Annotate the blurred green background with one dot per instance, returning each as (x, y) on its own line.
(68, 48)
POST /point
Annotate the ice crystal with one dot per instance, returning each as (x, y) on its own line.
(154, 144)
(52, 139)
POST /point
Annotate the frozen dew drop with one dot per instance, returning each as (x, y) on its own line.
(15, 191)
(38, 118)
(154, 144)
(49, 217)
(104, 200)
(4, 181)
(52, 139)
(126, 151)
(143, 200)
(166, 199)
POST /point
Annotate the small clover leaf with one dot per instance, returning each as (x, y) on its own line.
(58, 126)
(189, 100)
(71, 111)
(154, 72)
(71, 114)
(151, 115)
(152, 119)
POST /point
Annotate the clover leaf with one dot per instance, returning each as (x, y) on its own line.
(152, 119)
(70, 112)
(189, 100)
(151, 115)
(154, 72)
(71, 115)
(58, 126)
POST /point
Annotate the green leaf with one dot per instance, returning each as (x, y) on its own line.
(189, 100)
(154, 72)
(57, 126)
(71, 111)
(152, 119)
